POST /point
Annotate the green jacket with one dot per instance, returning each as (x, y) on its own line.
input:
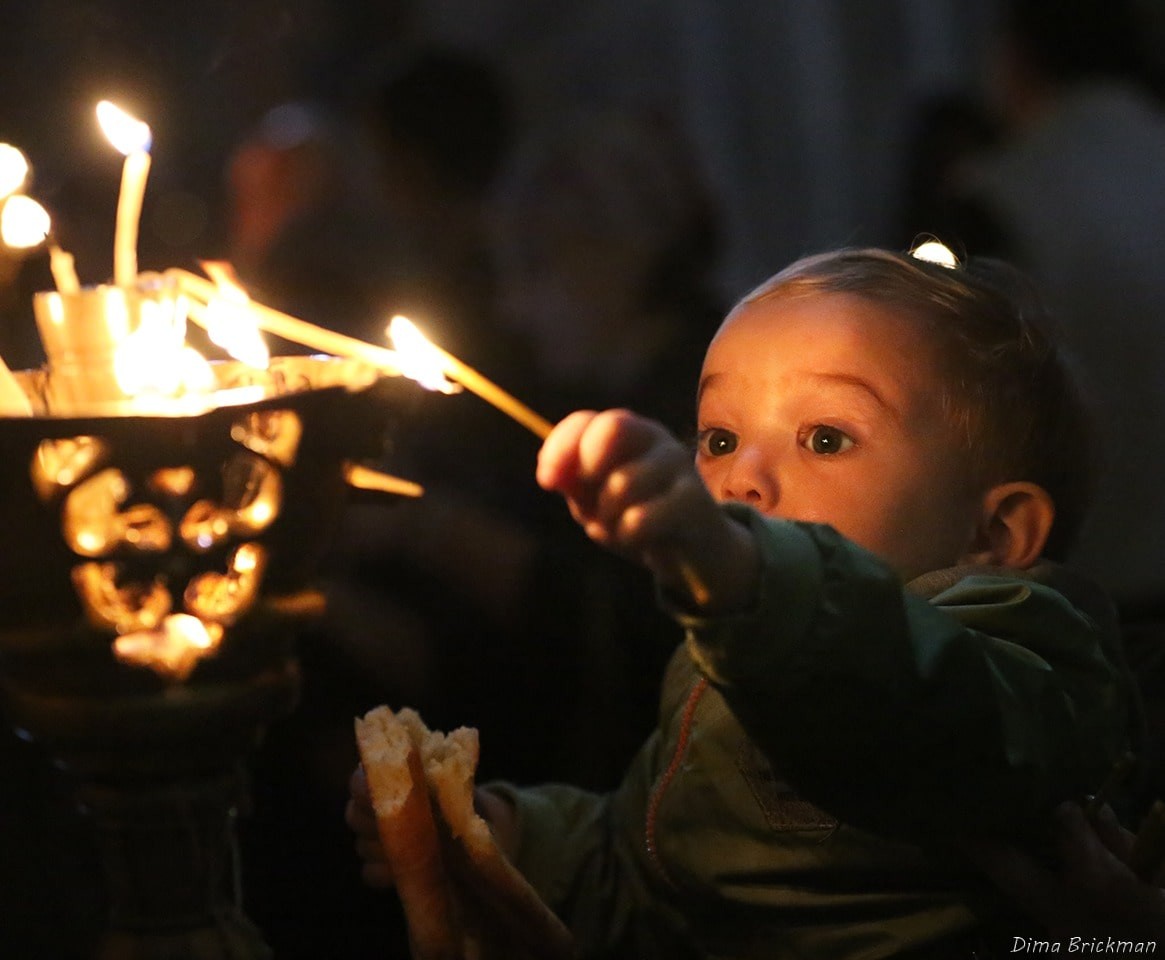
(818, 756)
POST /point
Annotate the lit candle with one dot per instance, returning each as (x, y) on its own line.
(279, 324)
(132, 138)
(408, 340)
(24, 224)
(13, 169)
(414, 357)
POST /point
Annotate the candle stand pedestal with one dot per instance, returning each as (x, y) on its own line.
(218, 518)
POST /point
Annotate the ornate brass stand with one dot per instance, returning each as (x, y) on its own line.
(217, 518)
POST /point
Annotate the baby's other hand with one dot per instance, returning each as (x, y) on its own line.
(361, 818)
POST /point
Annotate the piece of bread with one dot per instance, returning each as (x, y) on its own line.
(510, 917)
(496, 913)
(408, 833)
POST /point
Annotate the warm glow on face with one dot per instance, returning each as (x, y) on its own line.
(24, 223)
(418, 359)
(13, 169)
(127, 134)
(231, 324)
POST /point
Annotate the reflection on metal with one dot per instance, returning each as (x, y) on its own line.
(170, 531)
(127, 608)
(223, 598)
(273, 434)
(252, 498)
(174, 649)
(204, 526)
(94, 526)
(60, 464)
(173, 481)
(365, 478)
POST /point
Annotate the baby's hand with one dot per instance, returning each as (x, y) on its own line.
(634, 489)
(628, 482)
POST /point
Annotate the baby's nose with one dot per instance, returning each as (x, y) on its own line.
(750, 480)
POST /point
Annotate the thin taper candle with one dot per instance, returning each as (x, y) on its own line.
(489, 391)
(473, 381)
(290, 328)
(134, 173)
(132, 138)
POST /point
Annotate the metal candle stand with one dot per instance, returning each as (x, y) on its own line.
(156, 746)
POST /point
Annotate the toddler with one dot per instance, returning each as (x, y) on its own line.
(882, 660)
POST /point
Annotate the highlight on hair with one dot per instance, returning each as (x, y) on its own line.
(1009, 389)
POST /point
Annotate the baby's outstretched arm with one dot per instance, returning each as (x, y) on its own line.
(633, 488)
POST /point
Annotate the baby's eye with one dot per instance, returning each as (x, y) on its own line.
(827, 440)
(717, 442)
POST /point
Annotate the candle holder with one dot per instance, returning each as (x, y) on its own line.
(80, 332)
(148, 618)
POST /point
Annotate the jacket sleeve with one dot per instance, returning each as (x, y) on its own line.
(972, 712)
(583, 853)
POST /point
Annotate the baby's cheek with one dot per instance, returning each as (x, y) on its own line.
(706, 468)
(917, 540)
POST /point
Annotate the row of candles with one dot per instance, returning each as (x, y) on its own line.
(120, 349)
(152, 363)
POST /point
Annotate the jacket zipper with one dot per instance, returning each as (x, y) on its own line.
(665, 780)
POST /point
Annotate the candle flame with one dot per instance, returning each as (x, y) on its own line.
(154, 358)
(24, 223)
(126, 133)
(13, 169)
(230, 322)
(418, 359)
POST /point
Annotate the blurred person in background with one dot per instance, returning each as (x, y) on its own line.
(606, 239)
(305, 218)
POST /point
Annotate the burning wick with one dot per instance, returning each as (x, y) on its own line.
(24, 224)
(429, 365)
(132, 138)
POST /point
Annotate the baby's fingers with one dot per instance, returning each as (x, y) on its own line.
(359, 816)
(615, 439)
(558, 466)
(378, 875)
(649, 499)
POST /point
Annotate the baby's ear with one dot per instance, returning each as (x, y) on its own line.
(1014, 522)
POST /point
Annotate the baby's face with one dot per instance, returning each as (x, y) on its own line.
(827, 408)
